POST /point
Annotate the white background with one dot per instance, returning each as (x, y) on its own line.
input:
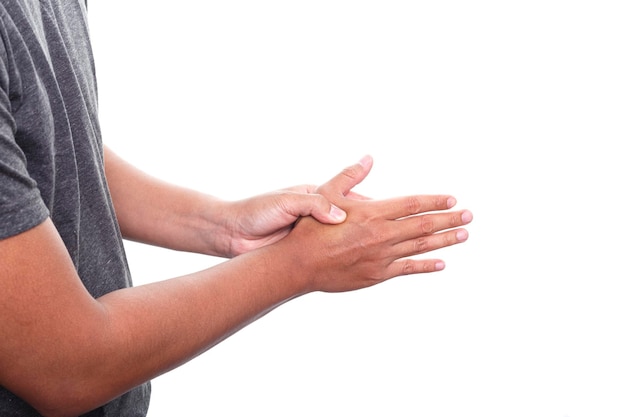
(515, 107)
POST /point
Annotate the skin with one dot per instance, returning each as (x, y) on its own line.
(52, 348)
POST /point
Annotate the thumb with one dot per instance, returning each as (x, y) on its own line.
(341, 184)
(296, 203)
(326, 212)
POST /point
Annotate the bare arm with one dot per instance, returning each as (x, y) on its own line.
(156, 212)
(66, 353)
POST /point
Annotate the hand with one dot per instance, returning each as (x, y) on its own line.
(265, 219)
(377, 240)
(162, 214)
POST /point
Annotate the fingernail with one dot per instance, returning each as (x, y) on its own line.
(366, 161)
(439, 266)
(462, 235)
(466, 217)
(337, 213)
(451, 202)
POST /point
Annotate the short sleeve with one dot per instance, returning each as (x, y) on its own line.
(21, 205)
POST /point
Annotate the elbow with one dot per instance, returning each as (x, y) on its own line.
(60, 387)
(64, 400)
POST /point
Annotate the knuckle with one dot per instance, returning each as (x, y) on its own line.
(420, 245)
(350, 172)
(380, 238)
(449, 239)
(454, 220)
(411, 266)
(413, 204)
(407, 267)
(320, 200)
(372, 235)
(427, 225)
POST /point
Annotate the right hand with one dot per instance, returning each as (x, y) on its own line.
(377, 241)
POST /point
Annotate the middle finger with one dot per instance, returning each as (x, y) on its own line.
(417, 226)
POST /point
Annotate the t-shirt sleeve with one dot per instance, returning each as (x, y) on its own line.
(21, 205)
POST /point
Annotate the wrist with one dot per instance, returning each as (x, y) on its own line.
(212, 226)
(289, 266)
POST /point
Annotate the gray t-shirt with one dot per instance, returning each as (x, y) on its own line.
(51, 155)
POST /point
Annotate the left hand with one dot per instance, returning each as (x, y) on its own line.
(264, 219)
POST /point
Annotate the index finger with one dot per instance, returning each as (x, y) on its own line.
(399, 207)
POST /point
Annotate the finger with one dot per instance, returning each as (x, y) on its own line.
(356, 196)
(401, 207)
(303, 189)
(341, 184)
(430, 243)
(428, 224)
(315, 205)
(408, 266)
(313, 189)
(414, 266)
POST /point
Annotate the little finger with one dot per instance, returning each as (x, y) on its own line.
(409, 266)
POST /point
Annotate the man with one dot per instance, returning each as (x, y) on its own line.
(76, 337)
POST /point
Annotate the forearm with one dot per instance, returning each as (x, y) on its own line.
(155, 212)
(133, 335)
(182, 317)
(66, 352)
(158, 213)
